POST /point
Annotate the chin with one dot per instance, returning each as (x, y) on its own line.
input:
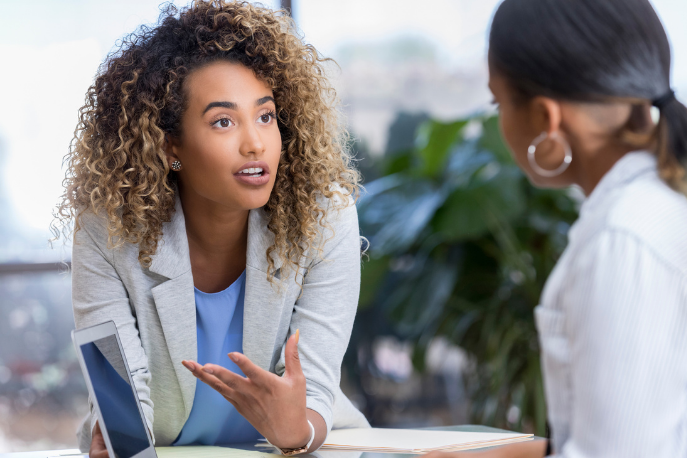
(255, 200)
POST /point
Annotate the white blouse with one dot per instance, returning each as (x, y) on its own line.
(613, 321)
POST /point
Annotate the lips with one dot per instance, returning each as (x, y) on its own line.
(255, 173)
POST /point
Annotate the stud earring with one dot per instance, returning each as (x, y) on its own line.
(176, 165)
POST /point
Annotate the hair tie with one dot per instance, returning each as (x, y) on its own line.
(664, 100)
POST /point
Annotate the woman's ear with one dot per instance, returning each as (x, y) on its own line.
(550, 150)
(546, 114)
(170, 148)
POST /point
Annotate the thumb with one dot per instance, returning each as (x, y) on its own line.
(292, 361)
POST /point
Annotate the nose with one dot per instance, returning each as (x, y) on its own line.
(251, 142)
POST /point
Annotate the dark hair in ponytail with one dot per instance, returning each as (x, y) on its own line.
(593, 51)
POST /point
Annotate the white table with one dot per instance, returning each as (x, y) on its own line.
(74, 453)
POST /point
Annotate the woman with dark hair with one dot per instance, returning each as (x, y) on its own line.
(212, 199)
(575, 81)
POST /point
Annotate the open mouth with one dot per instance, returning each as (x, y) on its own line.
(252, 172)
(256, 173)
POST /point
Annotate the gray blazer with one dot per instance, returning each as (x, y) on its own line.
(154, 310)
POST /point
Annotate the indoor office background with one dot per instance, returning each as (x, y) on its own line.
(459, 244)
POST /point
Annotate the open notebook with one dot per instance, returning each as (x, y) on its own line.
(415, 440)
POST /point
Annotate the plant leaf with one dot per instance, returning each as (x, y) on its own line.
(435, 140)
(394, 219)
(467, 212)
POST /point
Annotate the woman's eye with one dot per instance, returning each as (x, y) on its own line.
(223, 122)
(267, 117)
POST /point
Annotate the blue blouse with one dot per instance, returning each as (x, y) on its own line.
(213, 420)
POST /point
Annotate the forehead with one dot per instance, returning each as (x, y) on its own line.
(224, 81)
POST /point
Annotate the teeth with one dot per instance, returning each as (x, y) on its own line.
(251, 171)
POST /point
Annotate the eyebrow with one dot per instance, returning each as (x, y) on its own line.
(234, 106)
(264, 100)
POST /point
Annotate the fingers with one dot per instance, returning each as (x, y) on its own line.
(229, 378)
(249, 369)
(98, 448)
(99, 454)
(291, 359)
(206, 376)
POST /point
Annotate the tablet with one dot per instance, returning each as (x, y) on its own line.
(113, 392)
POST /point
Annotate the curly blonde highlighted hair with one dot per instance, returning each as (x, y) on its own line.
(116, 163)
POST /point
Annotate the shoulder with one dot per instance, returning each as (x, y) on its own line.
(339, 210)
(339, 198)
(337, 230)
(93, 239)
(91, 229)
(620, 279)
(654, 217)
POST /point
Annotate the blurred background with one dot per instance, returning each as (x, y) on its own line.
(460, 243)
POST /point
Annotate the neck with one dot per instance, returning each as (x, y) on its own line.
(217, 239)
(594, 163)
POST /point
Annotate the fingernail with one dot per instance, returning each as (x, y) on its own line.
(234, 357)
(207, 370)
(298, 335)
(187, 365)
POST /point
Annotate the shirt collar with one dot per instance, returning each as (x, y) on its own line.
(628, 168)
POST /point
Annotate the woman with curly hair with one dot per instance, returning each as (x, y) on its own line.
(212, 201)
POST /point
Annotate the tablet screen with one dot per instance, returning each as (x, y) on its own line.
(115, 397)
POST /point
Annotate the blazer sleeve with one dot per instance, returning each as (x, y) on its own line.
(325, 311)
(98, 295)
(628, 350)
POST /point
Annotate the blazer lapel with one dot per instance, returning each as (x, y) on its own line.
(175, 300)
(263, 300)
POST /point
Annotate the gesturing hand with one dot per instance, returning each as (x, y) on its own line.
(274, 405)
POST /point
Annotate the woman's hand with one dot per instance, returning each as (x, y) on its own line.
(274, 405)
(98, 448)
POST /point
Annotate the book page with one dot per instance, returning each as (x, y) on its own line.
(413, 439)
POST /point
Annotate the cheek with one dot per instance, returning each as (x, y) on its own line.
(514, 134)
(208, 162)
(211, 156)
(274, 147)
